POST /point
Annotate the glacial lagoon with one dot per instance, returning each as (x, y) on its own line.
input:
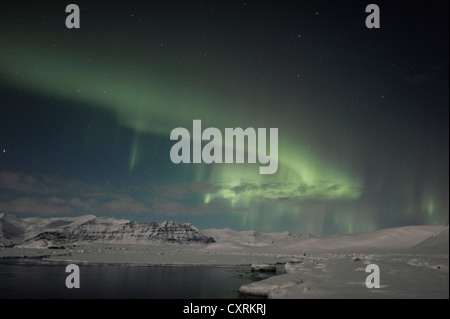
(124, 282)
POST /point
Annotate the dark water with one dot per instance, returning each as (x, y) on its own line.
(48, 281)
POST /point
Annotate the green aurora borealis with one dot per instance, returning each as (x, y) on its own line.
(363, 130)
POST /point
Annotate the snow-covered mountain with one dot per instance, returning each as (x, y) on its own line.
(389, 238)
(47, 232)
(55, 232)
(423, 238)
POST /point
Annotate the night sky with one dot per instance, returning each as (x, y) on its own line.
(362, 114)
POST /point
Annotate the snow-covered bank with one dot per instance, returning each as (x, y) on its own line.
(420, 271)
(339, 276)
(137, 254)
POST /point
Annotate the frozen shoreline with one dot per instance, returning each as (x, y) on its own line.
(332, 274)
(332, 267)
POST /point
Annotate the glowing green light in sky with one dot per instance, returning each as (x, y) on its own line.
(154, 106)
(134, 151)
(149, 106)
(430, 207)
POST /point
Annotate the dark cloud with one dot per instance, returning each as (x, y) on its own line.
(46, 206)
(48, 195)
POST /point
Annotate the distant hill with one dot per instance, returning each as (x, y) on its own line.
(422, 238)
(59, 231)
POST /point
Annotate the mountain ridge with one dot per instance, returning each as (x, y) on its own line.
(39, 232)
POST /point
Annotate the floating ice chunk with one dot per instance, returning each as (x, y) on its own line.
(264, 287)
(292, 268)
(263, 267)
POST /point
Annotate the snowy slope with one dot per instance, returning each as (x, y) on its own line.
(392, 238)
(228, 240)
(437, 244)
(247, 238)
(11, 229)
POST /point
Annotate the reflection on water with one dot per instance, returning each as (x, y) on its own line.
(48, 281)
